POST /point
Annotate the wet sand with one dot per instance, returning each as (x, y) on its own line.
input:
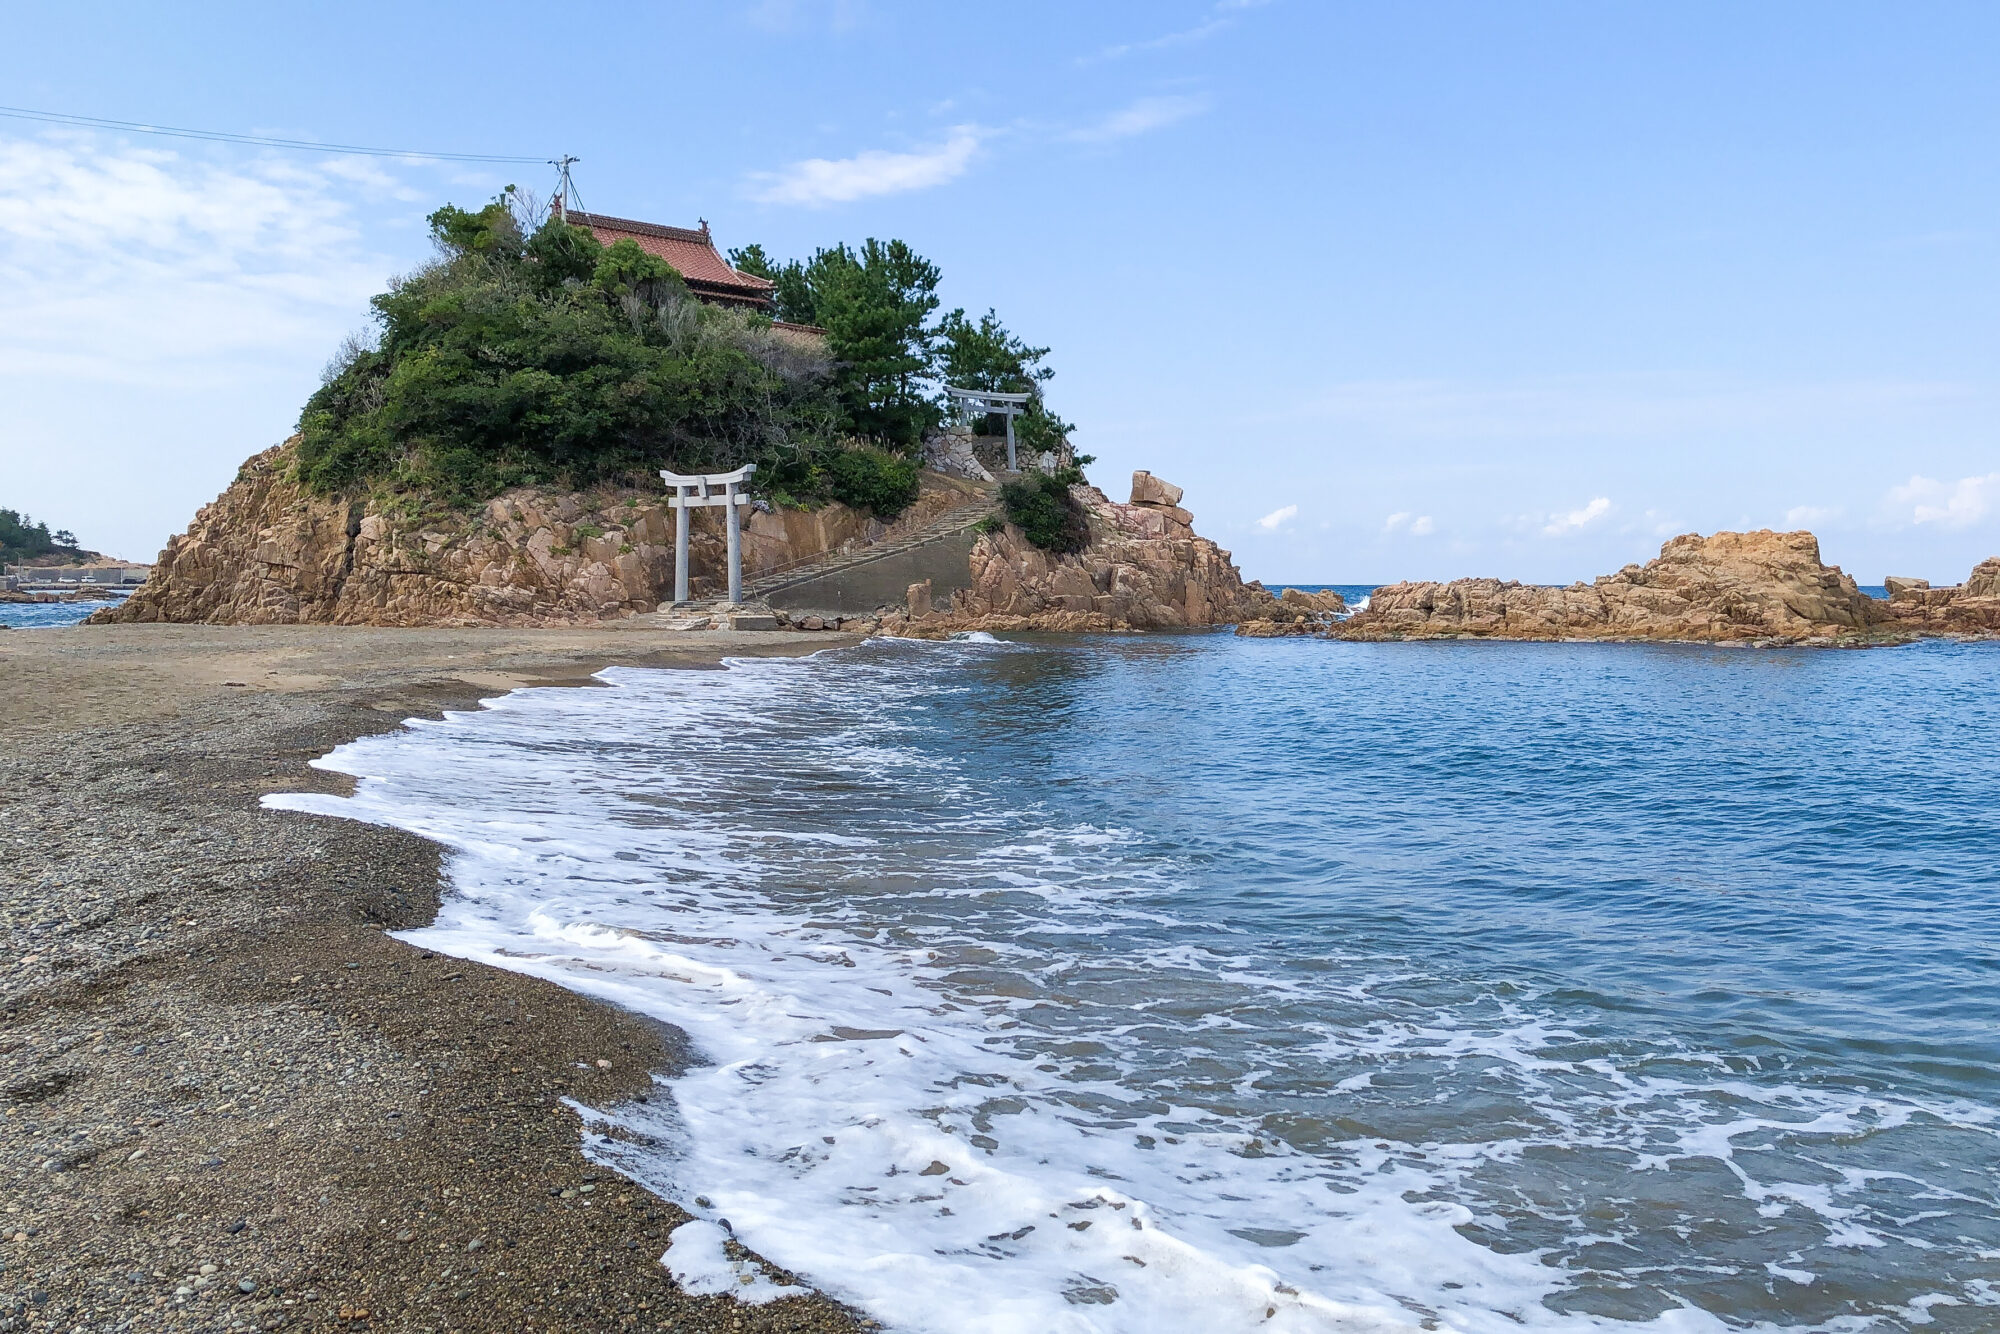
(231, 1101)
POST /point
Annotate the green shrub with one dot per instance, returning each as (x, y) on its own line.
(1040, 505)
(872, 480)
(626, 269)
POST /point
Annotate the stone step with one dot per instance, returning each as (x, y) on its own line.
(948, 524)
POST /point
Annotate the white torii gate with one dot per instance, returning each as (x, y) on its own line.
(1009, 406)
(698, 490)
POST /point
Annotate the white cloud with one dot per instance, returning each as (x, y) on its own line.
(1270, 522)
(817, 182)
(1420, 525)
(1141, 117)
(1805, 516)
(1959, 504)
(1576, 520)
(139, 266)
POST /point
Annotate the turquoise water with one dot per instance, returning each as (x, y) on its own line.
(1328, 986)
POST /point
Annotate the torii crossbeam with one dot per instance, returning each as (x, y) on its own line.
(984, 401)
(701, 489)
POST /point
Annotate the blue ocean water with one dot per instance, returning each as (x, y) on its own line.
(1354, 593)
(1197, 983)
(49, 615)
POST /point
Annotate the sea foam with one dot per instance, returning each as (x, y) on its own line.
(973, 1065)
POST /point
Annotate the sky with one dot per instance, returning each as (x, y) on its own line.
(1394, 291)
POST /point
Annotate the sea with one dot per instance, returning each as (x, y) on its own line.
(50, 615)
(1194, 983)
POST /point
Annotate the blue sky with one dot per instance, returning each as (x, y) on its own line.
(1393, 290)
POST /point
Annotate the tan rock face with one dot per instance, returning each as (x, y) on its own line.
(1970, 608)
(1144, 569)
(1728, 587)
(267, 551)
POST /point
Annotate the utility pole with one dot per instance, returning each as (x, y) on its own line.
(564, 186)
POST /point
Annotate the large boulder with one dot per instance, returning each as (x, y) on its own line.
(1150, 490)
(1760, 586)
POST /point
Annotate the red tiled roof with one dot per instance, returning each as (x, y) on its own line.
(689, 250)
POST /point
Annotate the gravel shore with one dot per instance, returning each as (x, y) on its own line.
(231, 1101)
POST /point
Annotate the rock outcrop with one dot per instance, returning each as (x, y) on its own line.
(1296, 613)
(1970, 608)
(267, 551)
(1732, 587)
(1143, 569)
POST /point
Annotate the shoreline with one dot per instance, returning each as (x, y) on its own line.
(213, 1055)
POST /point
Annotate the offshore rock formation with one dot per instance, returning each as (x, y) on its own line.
(1143, 569)
(268, 552)
(1970, 608)
(1296, 613)
(1760, 587)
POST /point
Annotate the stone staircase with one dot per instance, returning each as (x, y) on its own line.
(952, 522)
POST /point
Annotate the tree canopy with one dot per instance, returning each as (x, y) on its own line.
(535, 358)
(528, 352)
(24, 539)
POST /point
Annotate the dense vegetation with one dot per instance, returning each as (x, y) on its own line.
(528, 354)
(22, 539)
(873, 304)
(547, 357)
(1040, 505)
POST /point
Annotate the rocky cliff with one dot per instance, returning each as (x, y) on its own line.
(1732, 587)
(267, 551)
(1143, 569)
(1970, 608)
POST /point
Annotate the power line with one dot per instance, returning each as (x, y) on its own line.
(257, 140)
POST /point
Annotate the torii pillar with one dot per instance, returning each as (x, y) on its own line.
(698, 490)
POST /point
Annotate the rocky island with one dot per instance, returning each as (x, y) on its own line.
(1760, 587)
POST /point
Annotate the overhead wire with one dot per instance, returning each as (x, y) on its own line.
(255, 140)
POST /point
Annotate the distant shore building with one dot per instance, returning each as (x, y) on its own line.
(97, 575)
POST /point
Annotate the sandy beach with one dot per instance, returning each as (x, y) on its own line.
(231, 1100)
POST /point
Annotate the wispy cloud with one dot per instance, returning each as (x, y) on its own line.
(1140, 117)
(1221, 17)
(1805, 516)
(1577, 520)
(1959, 504)
(1271, 522)
(817, 182)
(1421, 525)
(144, 266)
